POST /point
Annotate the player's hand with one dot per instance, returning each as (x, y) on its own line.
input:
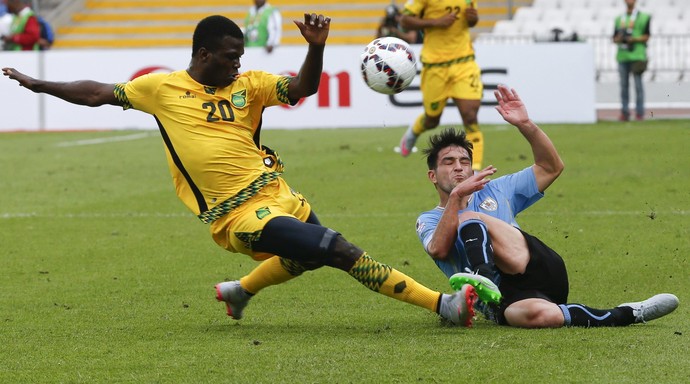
(510, 107)
(314, 28)
(473, 183)
(446, 20)
(23, 80)
(471, 15)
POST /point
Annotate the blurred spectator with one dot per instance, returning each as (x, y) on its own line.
(25, 30)
(47, 36)
(631, 34)
(263, 26)
(5, 22)
(390, 27)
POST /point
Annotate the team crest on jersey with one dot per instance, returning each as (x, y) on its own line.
(239, 99)
(489, 204)
(262, 212)
(210, 90)
(420, 226)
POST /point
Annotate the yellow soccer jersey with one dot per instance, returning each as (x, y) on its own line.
(443, 44)
(209, 133)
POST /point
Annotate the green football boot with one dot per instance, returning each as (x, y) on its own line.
(487, 291)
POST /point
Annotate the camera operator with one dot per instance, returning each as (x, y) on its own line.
(390, 27)
(631, 34)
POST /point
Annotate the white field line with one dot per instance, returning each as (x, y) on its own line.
(104, 140)
(96, 215)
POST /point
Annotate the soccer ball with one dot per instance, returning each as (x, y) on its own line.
(388, 65)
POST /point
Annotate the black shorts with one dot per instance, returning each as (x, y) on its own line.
(545, 278)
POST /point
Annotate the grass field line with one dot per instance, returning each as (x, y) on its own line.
(105, 140)
(105, 215)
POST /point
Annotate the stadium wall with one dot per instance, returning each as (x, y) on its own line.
(556, 80)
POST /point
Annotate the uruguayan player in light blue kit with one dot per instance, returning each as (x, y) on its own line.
(473, 236)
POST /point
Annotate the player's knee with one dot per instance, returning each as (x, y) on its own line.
(535, 315)
(342, 254)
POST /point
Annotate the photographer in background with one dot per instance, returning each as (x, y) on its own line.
(24, 30)
(631, 33)
(390, 27)
(263, 26)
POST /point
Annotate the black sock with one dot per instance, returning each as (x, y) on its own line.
(578, 315)
(478, 247)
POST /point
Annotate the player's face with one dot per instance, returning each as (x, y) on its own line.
(222, 67)
(453, 167)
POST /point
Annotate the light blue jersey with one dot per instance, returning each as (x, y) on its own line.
(502, 198)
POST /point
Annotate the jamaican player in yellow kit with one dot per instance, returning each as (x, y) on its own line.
(209, 117)
(448, 68)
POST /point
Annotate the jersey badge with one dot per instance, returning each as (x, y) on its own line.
(262, 212)
(239, 99)
(210, 90)
(489, 205)
(419, 227)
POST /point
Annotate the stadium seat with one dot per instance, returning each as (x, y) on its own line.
(527, 14)
(663, 15)
(608, 15)
(554, 15)
(576, 15)
(673, 27)
(597, 4)
(589, 27)
(545, 4)
(507, 28)
(656, 4)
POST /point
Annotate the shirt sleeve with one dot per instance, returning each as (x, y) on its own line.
(426, 226)
(521, 189)
(140, 93)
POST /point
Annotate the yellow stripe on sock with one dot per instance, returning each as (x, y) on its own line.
(388, 281)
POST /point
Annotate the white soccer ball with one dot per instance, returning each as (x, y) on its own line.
(388, 65)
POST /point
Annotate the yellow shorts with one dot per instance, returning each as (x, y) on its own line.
(238, 229)
(457, 81)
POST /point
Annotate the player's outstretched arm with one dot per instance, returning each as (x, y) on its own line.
(548, 165)
(82, 92)
(315, 30)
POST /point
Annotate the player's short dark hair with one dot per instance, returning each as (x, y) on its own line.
(211, 30)
(446, 138)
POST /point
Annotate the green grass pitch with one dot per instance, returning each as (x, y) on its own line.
(107, 278)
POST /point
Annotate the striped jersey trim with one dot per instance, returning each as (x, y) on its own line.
(238, 199)
(282, 89)
(121, 96)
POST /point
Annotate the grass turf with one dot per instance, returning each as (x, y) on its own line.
(107, 278)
